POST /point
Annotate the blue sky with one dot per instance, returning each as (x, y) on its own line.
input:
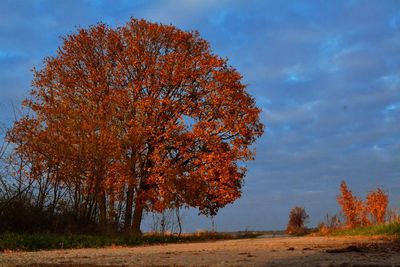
(325, 73)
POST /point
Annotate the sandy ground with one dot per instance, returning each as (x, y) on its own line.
(281, 251)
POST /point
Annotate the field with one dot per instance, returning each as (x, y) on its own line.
(262, 251)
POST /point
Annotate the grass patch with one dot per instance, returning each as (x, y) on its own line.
(300, 234)
(41, 241)
(380, 229)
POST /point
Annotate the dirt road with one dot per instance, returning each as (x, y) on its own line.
(282, 251)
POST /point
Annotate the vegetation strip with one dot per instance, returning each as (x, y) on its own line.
(380, 229)
(41, 241)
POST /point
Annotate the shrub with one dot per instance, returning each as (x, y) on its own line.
(330, 224)
(297, 218)
(393, 215)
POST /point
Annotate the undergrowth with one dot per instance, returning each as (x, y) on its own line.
(41, 241)
(380, 229)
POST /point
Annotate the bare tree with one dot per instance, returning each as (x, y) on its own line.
(163, 222)
(179, 219)
(4, 190)
(167, 221)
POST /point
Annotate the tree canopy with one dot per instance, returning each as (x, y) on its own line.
(145, 115)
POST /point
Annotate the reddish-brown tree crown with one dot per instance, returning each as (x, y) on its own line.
(146, 105)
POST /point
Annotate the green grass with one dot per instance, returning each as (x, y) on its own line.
(41, 241)
(380, 229)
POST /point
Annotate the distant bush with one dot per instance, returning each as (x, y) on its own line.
(297, 219)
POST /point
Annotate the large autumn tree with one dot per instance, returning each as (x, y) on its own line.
(145, 115)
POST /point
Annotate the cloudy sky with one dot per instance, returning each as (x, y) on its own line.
(325, 73)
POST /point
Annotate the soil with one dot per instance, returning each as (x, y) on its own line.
(264, 251)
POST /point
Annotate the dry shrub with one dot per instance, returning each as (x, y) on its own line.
(331, 223)
(200, 232)
(297, 219)
(393, 215)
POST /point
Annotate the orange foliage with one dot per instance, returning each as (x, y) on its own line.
(351, 206)
(376, 205)
(357, 211)
(145, 114)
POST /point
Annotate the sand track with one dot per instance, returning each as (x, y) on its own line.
(283, 251)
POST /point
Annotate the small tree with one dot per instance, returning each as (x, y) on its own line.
(352, 207)
(297, 219)
(163, 222)
(167, 221)
(359, 212)
(376, 205)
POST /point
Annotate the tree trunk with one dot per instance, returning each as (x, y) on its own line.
(137, 218)
(103, 208)
(129, 205)
(138, 212)
(178, 219)
(111, 210)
